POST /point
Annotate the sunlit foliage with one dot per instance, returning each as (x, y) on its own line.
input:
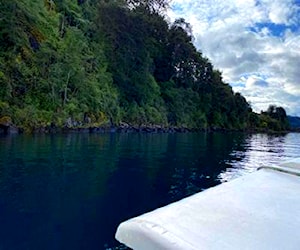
(111, 61)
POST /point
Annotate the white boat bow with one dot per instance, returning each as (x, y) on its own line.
(260, 210)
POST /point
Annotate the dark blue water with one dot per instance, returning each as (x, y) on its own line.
(72, 191)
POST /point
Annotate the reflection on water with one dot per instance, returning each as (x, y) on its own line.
(72, 191)
(260, 150)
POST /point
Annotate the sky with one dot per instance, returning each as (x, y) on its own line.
(254, 43)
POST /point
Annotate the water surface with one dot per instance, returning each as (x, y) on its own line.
(71, 191)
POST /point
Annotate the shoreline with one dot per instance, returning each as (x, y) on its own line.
(145, 129)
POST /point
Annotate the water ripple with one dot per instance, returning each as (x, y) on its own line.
(261, 150)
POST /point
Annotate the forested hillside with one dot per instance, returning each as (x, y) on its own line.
(95, 62)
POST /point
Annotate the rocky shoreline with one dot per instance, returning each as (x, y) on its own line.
(122, 128)
(101, 129)
(10, 129)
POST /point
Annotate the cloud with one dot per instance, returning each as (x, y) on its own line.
(253, 82)
(255, 43)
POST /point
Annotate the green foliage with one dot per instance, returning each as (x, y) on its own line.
(29, 118)
(274, 119)
(49, 68)
(112, 61)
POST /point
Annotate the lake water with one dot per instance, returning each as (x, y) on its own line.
(71, 191)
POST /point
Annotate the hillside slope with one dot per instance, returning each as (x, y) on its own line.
(87, 63)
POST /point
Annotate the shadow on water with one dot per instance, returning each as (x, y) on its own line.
(72, 191)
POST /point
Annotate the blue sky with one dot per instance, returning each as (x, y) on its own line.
(255, 43)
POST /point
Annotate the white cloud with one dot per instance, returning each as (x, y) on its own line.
(242, 38)
(256, 82)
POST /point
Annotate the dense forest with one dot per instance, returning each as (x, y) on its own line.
(92, 63)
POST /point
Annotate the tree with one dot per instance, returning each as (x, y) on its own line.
(110, 61)
(275, 118)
